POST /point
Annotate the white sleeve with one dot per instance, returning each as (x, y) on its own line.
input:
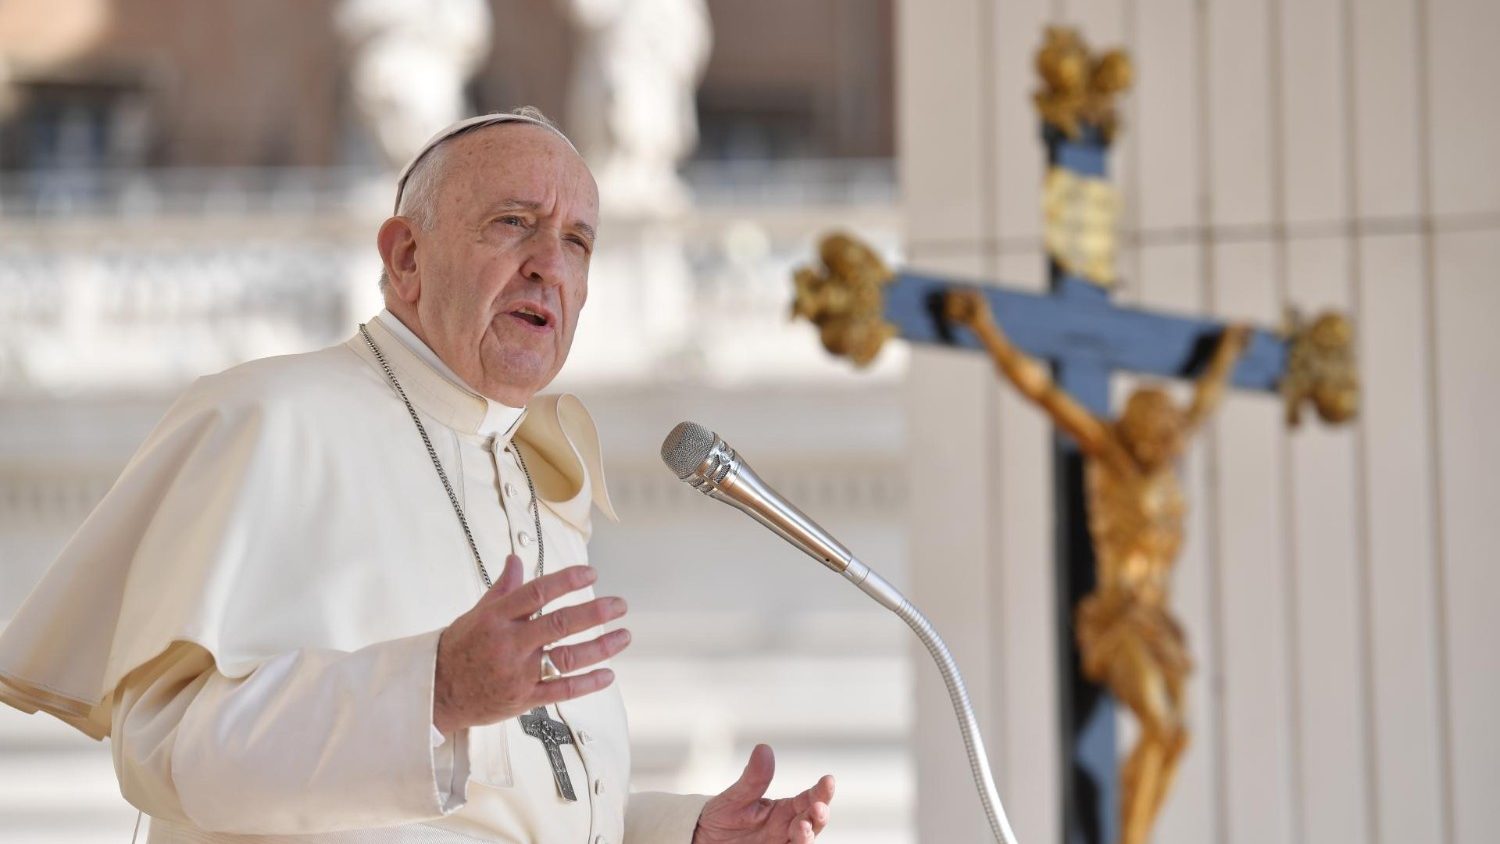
(311, 741)
(656, 817)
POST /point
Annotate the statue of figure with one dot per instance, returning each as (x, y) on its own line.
(632, 110)
(411, 61)
(1129, 640)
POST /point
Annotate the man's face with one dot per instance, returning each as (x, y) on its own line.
(501, 273)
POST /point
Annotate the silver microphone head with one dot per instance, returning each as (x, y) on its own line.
(686, 447)
(707, 463)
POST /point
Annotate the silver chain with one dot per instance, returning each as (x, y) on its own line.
(463, 521)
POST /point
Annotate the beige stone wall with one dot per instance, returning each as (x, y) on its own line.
(1337, 584)
(225, 83)
(833, 58)
(530, 61)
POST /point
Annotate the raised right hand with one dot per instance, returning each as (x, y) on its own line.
(489, 659)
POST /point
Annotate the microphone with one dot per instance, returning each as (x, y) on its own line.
(707, 463)
(697, 455)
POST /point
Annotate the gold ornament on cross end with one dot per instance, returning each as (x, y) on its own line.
(844, 299)
(1078, 86)
(1320, 369)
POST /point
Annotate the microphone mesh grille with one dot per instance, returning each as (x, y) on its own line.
(685, 448)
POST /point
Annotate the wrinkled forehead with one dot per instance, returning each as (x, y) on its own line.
(480, 174)
(522, 164)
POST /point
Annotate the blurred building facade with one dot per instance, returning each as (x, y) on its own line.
(133, 83)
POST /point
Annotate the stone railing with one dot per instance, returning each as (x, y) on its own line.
(128, 282)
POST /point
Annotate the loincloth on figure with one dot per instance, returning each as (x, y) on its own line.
(1114, 621)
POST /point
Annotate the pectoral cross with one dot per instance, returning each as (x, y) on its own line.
(553, 735)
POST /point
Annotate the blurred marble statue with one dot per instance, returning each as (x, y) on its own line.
(1128, 637)
(631, 111)
(410, 62)
(631, 108)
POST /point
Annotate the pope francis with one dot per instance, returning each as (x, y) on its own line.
(344, 596)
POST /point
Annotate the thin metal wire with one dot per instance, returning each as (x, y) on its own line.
(437, 464)
(536, 512)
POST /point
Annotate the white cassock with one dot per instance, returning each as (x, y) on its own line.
(252, 613)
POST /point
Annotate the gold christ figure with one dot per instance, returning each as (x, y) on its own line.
(1126, 633)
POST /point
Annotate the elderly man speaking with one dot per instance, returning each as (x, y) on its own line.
(344, 596)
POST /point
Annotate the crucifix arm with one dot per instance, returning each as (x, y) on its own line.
(1030, 378)
(1210, 388)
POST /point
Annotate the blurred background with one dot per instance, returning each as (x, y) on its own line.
(188, 184)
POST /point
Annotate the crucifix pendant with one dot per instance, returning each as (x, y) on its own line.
(553, 735)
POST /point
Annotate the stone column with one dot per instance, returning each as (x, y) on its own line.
(632, 114)
(631, 110)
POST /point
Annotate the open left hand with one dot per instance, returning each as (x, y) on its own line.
(743, 814)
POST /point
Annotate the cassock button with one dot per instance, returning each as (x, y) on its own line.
(599, 839)
(599, 786)
(510, 489)
(524, 538)
(584, 737)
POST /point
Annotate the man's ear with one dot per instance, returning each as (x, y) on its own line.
(397, 242)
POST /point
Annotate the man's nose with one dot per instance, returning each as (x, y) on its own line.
(544, 258)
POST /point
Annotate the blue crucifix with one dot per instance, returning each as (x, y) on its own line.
(1125, 634)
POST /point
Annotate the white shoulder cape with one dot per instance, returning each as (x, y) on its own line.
(249, 520)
